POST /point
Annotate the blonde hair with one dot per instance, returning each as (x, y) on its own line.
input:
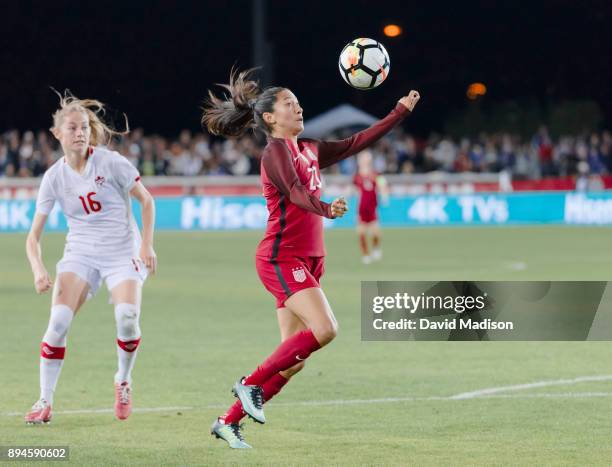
(101, 133)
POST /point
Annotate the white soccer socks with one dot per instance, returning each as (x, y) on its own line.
(52, 350)
(53, 346)
(128, 339)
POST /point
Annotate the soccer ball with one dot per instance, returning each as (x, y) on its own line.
(364, 63)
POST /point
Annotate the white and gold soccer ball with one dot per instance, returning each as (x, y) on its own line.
(364, 63)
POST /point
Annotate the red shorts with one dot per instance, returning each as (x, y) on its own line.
(285, 276)
(367, 215)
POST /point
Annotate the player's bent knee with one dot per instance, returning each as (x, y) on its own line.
(326, 333)
(59, 324)
(127, 318)
(332, 331)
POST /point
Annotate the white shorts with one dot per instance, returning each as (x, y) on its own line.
(95, 270)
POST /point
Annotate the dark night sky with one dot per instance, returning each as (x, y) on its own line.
(154, 60)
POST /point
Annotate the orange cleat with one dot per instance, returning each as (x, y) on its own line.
(39, 413)
(123, 400)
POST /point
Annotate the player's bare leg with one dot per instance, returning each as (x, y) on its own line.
(289, 324)
(376, 235)
(363, 242)
(70, 290)
(69, 294)
(312, 308)
(126, 297)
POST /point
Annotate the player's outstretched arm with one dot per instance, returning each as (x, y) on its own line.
(147, 253)
(42, 281)
(331, 152)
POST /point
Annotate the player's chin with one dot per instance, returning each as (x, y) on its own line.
(79, 147)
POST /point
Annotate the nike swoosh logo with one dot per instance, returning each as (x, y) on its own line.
(298, 357)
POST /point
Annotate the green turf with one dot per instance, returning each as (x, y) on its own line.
(207, 320)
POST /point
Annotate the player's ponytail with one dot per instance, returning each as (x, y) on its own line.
(101, 133)
(242, 109)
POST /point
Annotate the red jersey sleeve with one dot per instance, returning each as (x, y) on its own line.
(279, 168)
(331, 152)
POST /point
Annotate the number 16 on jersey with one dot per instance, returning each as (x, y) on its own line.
(94, 206)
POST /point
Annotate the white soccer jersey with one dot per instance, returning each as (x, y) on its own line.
(96, 204)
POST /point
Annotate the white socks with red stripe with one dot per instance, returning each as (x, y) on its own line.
(52, 350)
(128, 339)
(53, 346)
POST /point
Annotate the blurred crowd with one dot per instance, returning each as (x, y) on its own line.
(29, 154)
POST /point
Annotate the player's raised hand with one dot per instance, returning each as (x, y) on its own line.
(339, 207)
(410, 100)
(42, 281)
(148, 257)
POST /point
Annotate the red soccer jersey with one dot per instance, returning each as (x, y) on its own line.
(368, 199)
(291, 181)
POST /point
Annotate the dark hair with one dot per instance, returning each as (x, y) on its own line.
(243, 109)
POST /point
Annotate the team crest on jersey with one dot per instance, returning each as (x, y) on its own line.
(100, 180)
(299, 274)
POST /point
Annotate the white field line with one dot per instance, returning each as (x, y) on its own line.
(516, 265)
(537, 384)
(90, 411)
(486, 393)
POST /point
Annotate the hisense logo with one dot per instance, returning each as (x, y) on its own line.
(579, 209)
(216, 213)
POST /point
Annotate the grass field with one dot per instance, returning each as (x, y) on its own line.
(207, 320)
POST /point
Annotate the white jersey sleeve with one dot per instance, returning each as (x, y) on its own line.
(125, 174)
(46, 194)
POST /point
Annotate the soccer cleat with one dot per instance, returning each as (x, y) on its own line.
(39, 413)
(366, 259)
(376, 255)
(251, 398)
(230, 433)
(123, 400)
